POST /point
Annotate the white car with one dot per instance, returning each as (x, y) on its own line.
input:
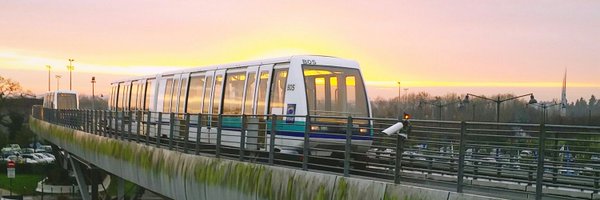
(44, 157)
(35, 158)
(28, 160)
(49, 155)
(13, 158)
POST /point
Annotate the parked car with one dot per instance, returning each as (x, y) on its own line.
(49, 155)
(27, 151)
(44, 148)
(11, 158)
(44, 157)
(35, 158)
(27, 159)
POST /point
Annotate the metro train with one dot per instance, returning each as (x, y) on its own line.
(61, 99)
(326, 88)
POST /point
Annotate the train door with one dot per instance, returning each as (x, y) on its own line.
(216, 102)
(262, 102)
(206, 107)
(178, 104)
(194, 101)
(249, 109)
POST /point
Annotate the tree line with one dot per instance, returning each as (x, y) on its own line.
(451, 107)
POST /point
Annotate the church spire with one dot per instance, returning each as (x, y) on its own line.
(563, 98)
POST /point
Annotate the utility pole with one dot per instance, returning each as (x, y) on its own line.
(93, 95)
(70, 68)
(58, 81)
(399, 97)
(49, 67)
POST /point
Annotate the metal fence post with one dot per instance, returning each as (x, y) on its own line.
(147, 132)
(111, 129)
(398, 159)
(186, 117)
(219, 129)
(305, 150)
(92, 122)
(272, 139)
(138, 125)
(597, 182)
(85, 121)
(88, 121)
(198, 134)
(461, 157)
(129, 118)
(171, 129)
(158, 129)
(348, 146)
(122, 131)
(539, 179)
(243, 137)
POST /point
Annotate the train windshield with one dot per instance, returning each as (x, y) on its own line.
(335, 91)
(66, 101)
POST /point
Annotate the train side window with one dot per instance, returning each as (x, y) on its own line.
(125, 94)
(182, 93)
(149, 94)
(262, 92)
(194, 100)
(218, 93)
(168, 96)
(207, 91)
(134, 95)
(234, 92)
(278, 91)
(174, 95)
(250, 88)
(138, 102)
(118, 96)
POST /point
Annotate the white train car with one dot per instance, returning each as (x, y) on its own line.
(318, 86)
(61, 99)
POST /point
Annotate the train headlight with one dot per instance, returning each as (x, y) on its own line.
(362, 131)
(314, 128)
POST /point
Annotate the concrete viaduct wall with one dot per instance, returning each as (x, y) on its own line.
(183, 176)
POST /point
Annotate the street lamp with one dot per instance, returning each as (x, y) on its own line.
(49, 67)
(438, 103)
(58, 81)
(398, 97)
(545, 107)
(498, 101)
(93, 96)
(70, 68)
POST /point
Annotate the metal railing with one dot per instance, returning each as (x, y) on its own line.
(461, 155)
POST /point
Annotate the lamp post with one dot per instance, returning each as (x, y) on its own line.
(545, 107)
(93, 95)
(498, 101)
(58, 81)
(70, 68)
(398, 97)
(49, 67)
(438, 103)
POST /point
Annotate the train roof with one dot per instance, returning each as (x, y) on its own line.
(233, 65)
(62, 91)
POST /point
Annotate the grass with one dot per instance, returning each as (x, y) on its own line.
(23, 184)
(130, 188)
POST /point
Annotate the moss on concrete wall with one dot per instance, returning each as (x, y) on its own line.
(183, 176)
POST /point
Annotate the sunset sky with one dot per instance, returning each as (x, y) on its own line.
(481, 47)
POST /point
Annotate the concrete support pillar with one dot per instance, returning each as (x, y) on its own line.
(120, 188)
(94, 181)
(80, 180)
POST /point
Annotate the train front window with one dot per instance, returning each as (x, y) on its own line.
(67, 101)
(335, 91)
